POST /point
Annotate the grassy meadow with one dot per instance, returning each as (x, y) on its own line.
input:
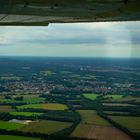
(114, 96)
(91, 117)
(29, 99)
(10, 125)
(91, 96)
(45, 127)
(130, 122)
(27, 114)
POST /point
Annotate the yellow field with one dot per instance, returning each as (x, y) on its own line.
(47, 106)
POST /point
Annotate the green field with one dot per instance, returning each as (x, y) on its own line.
(10, 137)
(29, 99)
(119, 104)
(91, 117)
(122, 98)
(32, 99)
(116, 112)
(45, 127)
(47, 73)
(10, 78)
(47, 106)
(81, 129)
(130, 98)
(91, 96)
(114, 96)
(5, 108)
(131, 123)
(27, 114)
(10, 125)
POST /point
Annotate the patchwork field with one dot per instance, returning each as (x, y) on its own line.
(131, 123)
(5, 108)
(47, 106)
(91, 96)
(10, 137)
(10, 125)
(27, 114)
(99, 133)
(91, 117)
(46, 127)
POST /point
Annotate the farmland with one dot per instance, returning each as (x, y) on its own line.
(131, 123)
(29, 99)
(93, 126)
(91, 117)
(114, 96)
(91, 96)
(116, 112)
(45, 127)
(67, 98)
(122, 98)
(47, 106)
(5, 108)
(10, 125)
(99, 132)
(129, 98)
(10, 78)
(10, 137)
(118, 104)
(26, 113)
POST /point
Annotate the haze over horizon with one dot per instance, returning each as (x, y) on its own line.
(105, 39)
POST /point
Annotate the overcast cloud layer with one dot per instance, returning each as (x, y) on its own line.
(109, 39)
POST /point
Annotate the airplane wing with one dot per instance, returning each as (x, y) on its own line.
(43, 12)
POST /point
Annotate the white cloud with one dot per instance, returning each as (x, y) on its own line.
(80, 39)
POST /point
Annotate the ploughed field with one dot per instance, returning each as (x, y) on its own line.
(99, 132)
(92, 126)
(5, 108)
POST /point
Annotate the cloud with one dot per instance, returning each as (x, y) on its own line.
(106, 35)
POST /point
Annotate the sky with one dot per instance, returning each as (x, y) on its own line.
(100, 39)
